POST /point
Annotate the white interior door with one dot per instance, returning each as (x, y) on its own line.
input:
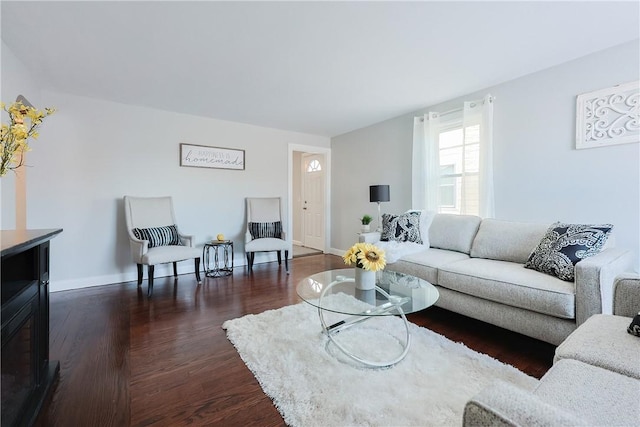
(313, 198)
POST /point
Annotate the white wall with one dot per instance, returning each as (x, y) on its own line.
(92, 152)
(539, 175)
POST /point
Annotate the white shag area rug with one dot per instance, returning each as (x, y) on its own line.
(312, 384)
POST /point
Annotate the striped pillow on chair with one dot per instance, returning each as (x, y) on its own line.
(261, 230)
(159, 236)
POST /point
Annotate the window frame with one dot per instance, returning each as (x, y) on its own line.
(455, 123)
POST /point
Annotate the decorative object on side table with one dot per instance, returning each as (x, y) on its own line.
(368, 259)
(14, 135)
(366, 223)
(379, 193)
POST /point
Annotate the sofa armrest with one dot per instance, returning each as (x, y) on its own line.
(503, 404)
(626, 295)
(594, 281)
(371, 237)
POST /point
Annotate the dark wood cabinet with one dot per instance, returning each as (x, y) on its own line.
(27, 372)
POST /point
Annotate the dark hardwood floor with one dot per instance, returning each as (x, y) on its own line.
(130, 360)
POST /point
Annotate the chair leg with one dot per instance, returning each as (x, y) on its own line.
(279, 258)
(139, 274)
(150, 291)
(250, 258)
(175, 269)
(197, 262)
(286, 261)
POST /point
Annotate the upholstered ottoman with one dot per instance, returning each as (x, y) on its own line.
(603, 339)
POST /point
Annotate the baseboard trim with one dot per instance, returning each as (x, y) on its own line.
(162, 270)
(334, 251)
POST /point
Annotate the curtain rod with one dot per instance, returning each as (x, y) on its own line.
(456, 110)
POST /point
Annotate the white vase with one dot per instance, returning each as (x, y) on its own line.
(365, 279)
(366, 228)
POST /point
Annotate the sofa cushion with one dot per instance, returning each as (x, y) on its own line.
(564, 245)
(603, 341)
(425, 264)
(401, 228)
(267, 244)
(163, 254)
(511, 284)
(453, 232)
(599, 396)
(507, 240)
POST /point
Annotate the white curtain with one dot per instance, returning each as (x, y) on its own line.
(481, 113)
(426, 162)
(487, 202)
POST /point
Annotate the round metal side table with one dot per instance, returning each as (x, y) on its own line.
(222, 262)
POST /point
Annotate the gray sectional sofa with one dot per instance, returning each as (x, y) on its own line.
(595, 378)
(478, 266)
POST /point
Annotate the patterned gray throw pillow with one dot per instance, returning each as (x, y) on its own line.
(564, 245)
(401, 228)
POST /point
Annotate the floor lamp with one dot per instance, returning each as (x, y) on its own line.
(379, 193)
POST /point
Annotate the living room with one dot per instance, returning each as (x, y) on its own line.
(97, 148)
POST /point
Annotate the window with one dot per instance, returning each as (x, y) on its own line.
(452, 160)
(447, 190)
(459, 158)
(314, 166)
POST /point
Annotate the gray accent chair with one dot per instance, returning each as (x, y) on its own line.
(265, 210)
(595, 378)
(148, 212)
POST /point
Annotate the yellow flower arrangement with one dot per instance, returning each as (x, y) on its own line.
(366, 256)
(14, 136)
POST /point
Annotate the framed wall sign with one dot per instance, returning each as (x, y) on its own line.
(203, 156)
(608, 116)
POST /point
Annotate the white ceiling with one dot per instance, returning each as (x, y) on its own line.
(323, 68)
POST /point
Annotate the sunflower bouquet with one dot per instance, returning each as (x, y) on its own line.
(366, 256)
(14, 135)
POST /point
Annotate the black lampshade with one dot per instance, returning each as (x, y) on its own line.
(379, 193)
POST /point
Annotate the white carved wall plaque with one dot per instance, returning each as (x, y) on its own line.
(608, 116)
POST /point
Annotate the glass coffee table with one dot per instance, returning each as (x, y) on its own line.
(334, 291)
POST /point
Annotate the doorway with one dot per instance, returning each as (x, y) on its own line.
(309, 202)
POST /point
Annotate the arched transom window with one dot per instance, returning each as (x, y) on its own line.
(314, 166)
